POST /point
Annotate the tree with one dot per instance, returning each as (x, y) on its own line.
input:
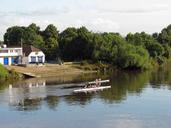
(35, 28)
(155, 49)
(147, 41)
(132, 57)
(165, 36)
(50, 36)
(14, 35)
(72, 44)
(76, 44)
(66, 39)
(28, 35)
(32, 37)
(167, 51)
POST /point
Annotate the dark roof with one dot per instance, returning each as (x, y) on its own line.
(27, 49)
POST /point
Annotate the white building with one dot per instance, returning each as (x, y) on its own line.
(9, 56)
(18, 55)
(32, 55)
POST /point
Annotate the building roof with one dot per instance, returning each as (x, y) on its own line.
(27, 49)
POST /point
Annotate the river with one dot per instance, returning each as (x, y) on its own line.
(136, 100)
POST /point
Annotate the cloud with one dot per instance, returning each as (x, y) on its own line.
(39, 12)
(102, 24)
(138, 10)
(98, 24)
(97, 15)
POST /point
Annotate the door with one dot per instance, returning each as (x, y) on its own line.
(40, 59)
(6, 61)
(15, 60)
(33, 59)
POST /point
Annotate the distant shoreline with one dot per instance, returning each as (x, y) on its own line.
(55, 70)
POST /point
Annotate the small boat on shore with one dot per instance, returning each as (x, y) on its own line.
(92, 89)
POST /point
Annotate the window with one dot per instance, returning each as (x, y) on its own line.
(11, 51)
(40, 59)
(33, 59)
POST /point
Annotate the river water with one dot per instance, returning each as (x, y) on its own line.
(136, 100)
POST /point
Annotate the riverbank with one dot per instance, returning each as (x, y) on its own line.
(54, 70)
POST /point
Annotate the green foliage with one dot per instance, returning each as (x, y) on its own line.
(135, 51)
(155, 49)
(50, 36)
(46, 40)
(3, 72)
(150, 43)
(105, 48)
(160, 60)
(165, 36)
(76, 44)
(133, 57)
(13, 75)
(13, 35)
(167, 51)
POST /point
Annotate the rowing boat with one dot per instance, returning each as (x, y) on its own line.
(92, 89)
(102, 81)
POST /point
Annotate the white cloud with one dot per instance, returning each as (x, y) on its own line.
(103, 25)
(98, 15)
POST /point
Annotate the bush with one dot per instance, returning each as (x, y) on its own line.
(59, 61)
(135, 57)
(160, 60)
(3, 72)
(84, 63)
(13, 74)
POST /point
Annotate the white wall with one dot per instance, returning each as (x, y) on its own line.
(9, 52)
(9, 60)
(16, 52)
(1, 60)
(36, 54)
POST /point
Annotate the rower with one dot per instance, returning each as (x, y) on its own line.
(99, 83)
(86, 86)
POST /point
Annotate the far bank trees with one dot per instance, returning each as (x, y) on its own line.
(73, 44)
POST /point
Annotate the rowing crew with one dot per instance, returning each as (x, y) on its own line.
(97, 84)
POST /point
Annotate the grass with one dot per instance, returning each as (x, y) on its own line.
(3, 72)
(51, 70)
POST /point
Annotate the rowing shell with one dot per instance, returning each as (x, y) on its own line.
(102, 81)
(92, 89)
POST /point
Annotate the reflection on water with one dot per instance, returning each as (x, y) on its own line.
(31, 94)
(133, 99)
(28, 96)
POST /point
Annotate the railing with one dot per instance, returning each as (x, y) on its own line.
(11, 52)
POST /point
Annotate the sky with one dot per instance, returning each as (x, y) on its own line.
(121, 16)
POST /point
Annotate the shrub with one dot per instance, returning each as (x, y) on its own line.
(3, 72)
(13, 74)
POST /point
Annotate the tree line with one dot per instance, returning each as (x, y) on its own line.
(135, 51)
